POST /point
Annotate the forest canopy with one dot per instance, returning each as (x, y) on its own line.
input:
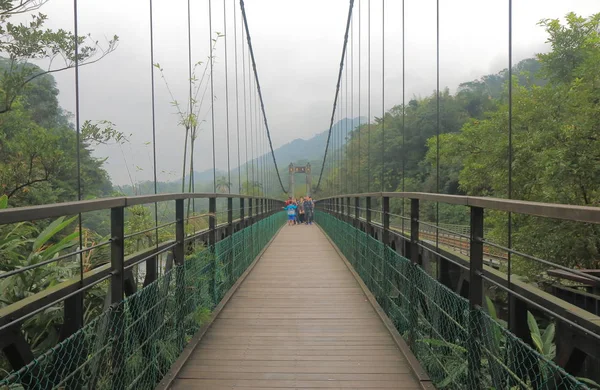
(555, 144)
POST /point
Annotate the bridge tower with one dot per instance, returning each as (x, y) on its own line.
(292, 170)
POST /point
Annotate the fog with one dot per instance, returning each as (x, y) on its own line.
(297, 49)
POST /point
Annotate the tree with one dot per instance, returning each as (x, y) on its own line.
(23, 42)
(253, 188)
(556, 149)
(223, 185)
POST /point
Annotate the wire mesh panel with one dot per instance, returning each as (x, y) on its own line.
(133, 344)
(460, 347)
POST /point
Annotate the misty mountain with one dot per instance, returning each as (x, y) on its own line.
(302, 150)
(298, 151)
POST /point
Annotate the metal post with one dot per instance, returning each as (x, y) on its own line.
(242, 213)
(414, 231)
(230, 254)
(117, 253)
(229, 217)
(179, 249)
(179, 259)
(385, 239)
(250, 214)
(212, 240)
(368, 215)
(414, 301)
(349, 218)
(385, 219)
(251, 223)
(117, 264)
(475, 297)
(342, 215)
(357, 212)
(476, 258)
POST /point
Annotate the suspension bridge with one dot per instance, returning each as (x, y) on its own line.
(374, 295)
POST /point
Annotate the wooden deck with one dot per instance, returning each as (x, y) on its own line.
(299, 320)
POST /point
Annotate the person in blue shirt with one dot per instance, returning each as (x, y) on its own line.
(291, 212)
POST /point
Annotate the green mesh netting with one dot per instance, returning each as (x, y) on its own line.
(459, 347)
(134, 344)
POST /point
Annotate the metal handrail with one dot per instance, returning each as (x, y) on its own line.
(33, 213)
(548, 210)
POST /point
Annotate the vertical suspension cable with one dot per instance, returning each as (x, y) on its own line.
(153, 103)
(212, 96)
(78, 136)
(352, 146)
(382, 93)
(342, 123)
(250, 97)
(226, 97)
(369, 99)
(510, 158)
(339, 139)
(359, 94)
(257, 137)
(245, 114)
(191, 110)
(344, 147)
(252, 135)
(237, 98)
(265, 159)
(403, 115)
(437, 134)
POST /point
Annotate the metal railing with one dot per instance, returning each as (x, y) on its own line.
(418, 240)
(117, 269)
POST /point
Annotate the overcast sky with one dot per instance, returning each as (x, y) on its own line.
(297, 47)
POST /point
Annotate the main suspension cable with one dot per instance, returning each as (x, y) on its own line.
(337, 91)
(262, 105)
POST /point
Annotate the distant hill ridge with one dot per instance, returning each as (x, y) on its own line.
(297, 151)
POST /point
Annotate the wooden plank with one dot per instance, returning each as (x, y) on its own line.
(299, 320)
(184, 384)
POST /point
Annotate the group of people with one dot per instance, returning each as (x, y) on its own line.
(300, 211)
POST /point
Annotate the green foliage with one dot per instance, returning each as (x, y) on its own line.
(24, 245)
(39, 155)
(556, 149)
(543, 342)
(25, 41)
(253, 188)
(223, 185)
